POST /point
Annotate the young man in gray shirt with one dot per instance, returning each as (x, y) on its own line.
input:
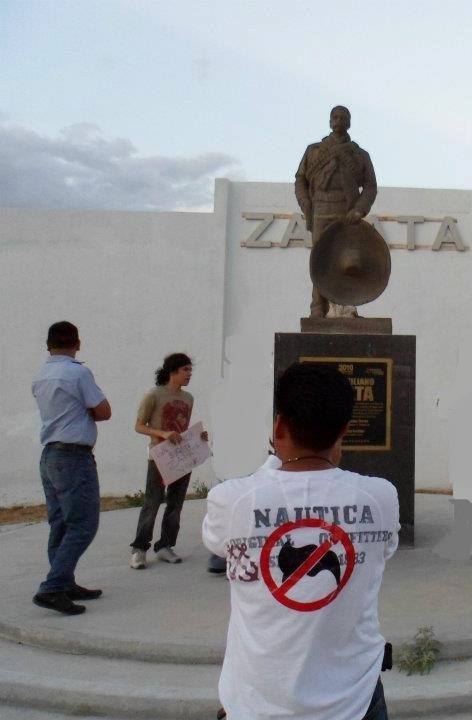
(164, 413)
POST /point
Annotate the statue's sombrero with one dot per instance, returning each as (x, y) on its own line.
(350, 264)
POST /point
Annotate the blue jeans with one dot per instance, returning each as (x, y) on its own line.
(70, 483)
(377, 709)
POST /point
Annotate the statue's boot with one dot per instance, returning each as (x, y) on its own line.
(345, 311)
(319, 305)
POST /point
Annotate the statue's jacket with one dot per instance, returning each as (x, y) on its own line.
(333, 177)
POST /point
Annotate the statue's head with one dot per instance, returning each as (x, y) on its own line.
(340, 119)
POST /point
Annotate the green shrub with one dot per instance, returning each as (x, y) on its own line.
(421, 655)
(200, 489)
(135, 500)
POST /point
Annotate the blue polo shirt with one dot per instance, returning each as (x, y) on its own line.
(65, 390)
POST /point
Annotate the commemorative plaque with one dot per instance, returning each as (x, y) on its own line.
(371, 379)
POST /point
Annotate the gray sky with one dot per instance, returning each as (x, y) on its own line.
(140, 104)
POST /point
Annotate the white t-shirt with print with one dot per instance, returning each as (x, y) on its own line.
(303, 639)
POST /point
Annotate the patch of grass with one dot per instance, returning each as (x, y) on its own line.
(420, 656)
(135, 500)
(201, 489)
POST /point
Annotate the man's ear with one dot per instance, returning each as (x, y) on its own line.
(280, 428)
(341, 435)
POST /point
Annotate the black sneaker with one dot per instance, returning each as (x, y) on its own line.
(216, 565)
(58, 601)
(81, 593)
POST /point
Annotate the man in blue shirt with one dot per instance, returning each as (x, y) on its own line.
(70, 403)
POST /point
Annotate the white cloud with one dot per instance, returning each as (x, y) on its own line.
(80, 168)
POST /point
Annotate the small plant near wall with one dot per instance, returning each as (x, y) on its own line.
(420, 656)
(200, 489)
(135, 500)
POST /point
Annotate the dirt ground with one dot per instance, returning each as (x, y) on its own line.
(435, 491)
(37, 513)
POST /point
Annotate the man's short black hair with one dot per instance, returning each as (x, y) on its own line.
(62, 336)
(316, 401)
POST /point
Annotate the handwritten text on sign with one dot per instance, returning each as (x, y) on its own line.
(175, 461)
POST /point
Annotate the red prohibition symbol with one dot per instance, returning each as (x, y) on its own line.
(280, 592)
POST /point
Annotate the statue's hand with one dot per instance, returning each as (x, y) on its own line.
(353, 217)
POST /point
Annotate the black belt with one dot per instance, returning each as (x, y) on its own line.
(71, 447)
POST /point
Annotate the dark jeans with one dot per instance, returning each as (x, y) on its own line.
(154, 496)
(377, 709)
(70, 482)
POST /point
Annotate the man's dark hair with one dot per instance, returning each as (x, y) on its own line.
(340, 107)
(172, 363)
(62, 336)
(316, 402)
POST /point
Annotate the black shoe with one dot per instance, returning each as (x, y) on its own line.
(216, 565)
(81, 593)
(58, 601)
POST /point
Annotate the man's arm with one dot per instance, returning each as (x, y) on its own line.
(215, 526)
(394, 522)
(102, 411)
(369, 188)
(92, 397)
(144, 429)
(302, 187)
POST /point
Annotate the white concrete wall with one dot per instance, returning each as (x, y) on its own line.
(140, 285)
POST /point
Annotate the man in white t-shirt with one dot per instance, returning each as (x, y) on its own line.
(306, 545)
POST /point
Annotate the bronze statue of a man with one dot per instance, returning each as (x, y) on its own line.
(335, 180)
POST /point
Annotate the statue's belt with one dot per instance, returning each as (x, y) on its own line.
(329, 196)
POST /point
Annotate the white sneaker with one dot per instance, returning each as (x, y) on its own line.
(168, 555)
(138, 559)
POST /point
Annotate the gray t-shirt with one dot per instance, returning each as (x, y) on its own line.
(165, 409)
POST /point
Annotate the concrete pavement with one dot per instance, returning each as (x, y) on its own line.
(149, 621)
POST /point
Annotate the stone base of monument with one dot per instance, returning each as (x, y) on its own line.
(381, 368)
(340, 325)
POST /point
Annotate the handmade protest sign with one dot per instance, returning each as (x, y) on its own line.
(175, 461)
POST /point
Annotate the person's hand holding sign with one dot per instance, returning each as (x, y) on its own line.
(173, 437)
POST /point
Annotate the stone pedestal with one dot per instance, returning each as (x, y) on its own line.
(381, 367)
(341, 325)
